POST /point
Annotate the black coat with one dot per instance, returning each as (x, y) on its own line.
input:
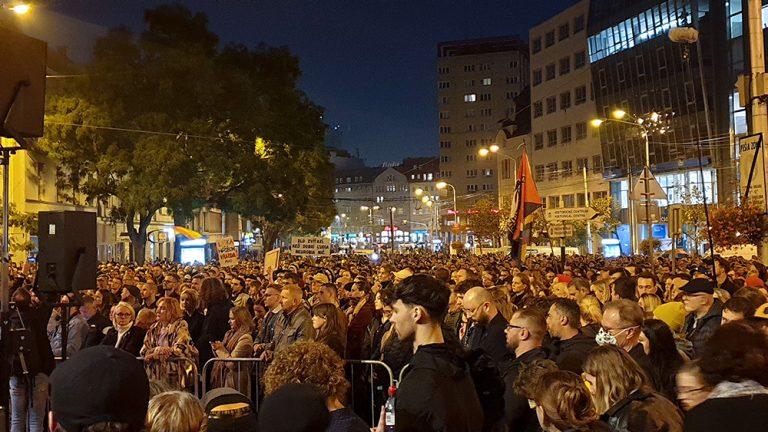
(215, 326)
(570, 354)
(195, 324)
(96, 326)
(132, 340)
(644, 411)
(437, 393)
(491, 339)
(37, 352)
(704, 327)
(518, 414)
(737, 414)
(638, 355)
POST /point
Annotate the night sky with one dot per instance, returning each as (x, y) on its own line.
(370, 63)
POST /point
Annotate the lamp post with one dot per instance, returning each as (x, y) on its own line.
(442, 185)
(647, 125)
(392, 227)
(370, 218)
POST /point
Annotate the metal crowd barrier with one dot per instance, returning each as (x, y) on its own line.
(188, 380)
(245, 375)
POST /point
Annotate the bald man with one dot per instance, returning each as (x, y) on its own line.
(488, 334)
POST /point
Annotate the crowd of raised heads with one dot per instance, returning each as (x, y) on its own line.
(475, 343)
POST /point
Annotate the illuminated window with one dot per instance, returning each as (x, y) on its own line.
(470, 97)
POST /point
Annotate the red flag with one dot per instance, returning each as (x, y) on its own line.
(526, 196)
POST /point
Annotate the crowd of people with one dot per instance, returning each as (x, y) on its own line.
(478, 343)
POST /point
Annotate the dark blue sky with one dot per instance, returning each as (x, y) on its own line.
(370, 63)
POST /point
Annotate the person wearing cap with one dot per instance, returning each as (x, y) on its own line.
(399, 276)
(705, 313)
(119, 401)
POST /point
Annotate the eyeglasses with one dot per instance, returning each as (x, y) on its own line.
(122, 314)
(681, 392)
(512, 327)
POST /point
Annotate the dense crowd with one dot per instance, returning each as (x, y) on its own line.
(479, 343)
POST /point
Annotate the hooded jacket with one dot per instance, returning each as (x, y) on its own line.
(437, 393)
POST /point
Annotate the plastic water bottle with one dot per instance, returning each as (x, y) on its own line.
(389, 411)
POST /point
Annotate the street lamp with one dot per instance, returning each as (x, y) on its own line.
(418, 192)
(19, 8)
(648, 125)
(442, 185)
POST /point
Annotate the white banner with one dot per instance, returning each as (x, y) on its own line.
(751, 147)
(310, 246)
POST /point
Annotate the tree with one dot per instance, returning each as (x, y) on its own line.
(737, 225)
(211, 108)
(484, 220)
(693, 216)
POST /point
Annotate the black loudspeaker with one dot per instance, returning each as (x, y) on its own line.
(22, 84)
(67, 251)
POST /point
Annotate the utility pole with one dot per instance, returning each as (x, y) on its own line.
(586, 201)
(392, 228)
(757, 101)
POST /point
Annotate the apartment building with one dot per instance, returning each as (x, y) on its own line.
(562, 105)
(477, 80)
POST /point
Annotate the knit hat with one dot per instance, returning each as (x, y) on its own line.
(294, 408)
(564, 278)
(754, 282)
(99, 384)
(320, 277)
(672, 313)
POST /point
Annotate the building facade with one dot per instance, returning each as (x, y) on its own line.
(562, 105)
(638, 69)
(477, 80)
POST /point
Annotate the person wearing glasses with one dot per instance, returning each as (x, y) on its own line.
(124, 334)
(622, 325)
(524, 336)
(692, 390)
(705, 313)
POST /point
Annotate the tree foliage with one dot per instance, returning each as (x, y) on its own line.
(484, 220)
(693, 216)
(213, 106)
(738, 225)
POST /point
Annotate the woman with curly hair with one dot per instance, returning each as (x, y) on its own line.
(316, 364)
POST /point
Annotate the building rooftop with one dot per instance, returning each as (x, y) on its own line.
(481, 46)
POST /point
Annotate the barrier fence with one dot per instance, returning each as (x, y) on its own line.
(369, 381)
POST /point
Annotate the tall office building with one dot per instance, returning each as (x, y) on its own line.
(561, 108)
(638, 69)
(477, 81)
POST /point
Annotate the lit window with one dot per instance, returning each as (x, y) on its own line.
(470, 97)
(486, 81)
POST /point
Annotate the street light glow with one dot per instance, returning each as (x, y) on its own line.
(494, 148)
(418, 191)
(364, 208)
(596, 122)
(618, 114)
(654, 116)
(483, 152)
(429, 203)
(424, 199)
(20, 9)
(441, 185)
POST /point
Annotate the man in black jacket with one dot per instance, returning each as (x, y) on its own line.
(437, 392)
(569, 347)
(488, 334)
(96, 322)
(525, 333)
(705, 313)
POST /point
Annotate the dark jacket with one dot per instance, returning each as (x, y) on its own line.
(598, 426)
(638, 355)
(518, 414)
(267, 332)
(644, 411)
(737, 414)
(195, 324)
(356, 330)
(570, 354)
(437, 393)
(96, 326)
(293, 327)
(215, 326)
(373, 336)
(699, 331)
(345, 420)
(37, 352)
(491, 339)
(729, 285)
(132, 340)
